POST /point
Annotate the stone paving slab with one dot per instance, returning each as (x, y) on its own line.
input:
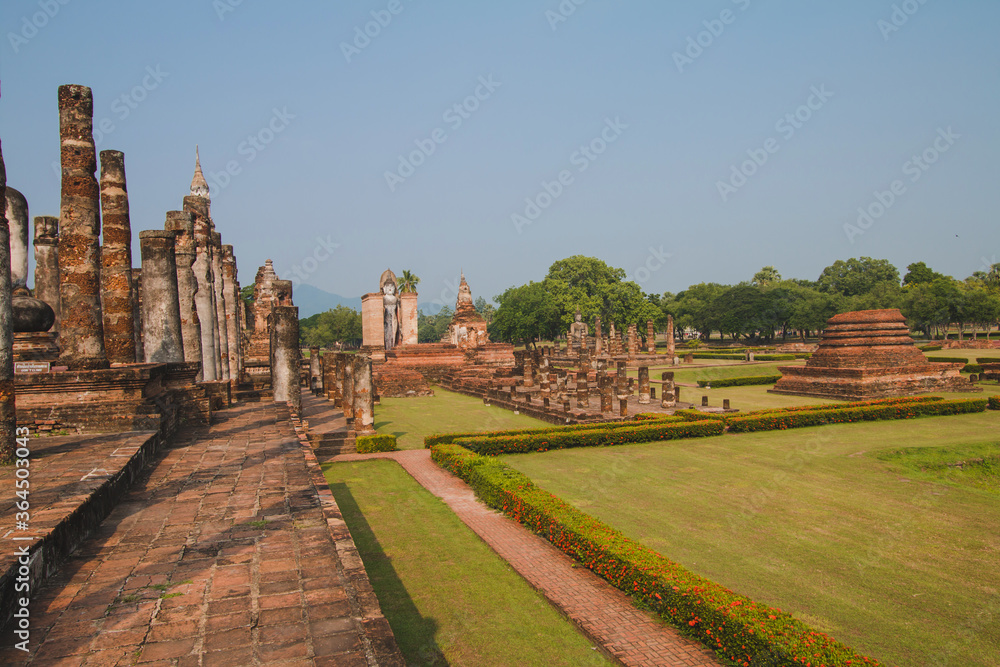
(604, 613)
(220, 555)
(70, 484)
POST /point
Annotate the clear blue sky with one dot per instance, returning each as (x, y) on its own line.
(337, 119)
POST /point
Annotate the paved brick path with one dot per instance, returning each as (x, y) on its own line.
(222, 555)
(602, 611)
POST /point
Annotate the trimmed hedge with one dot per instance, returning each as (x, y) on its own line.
(449, 438)
(930, 348)
(741, 382)
(784, 420)
(988, 360)
(948, 360)
(757, 357)
(972, 368)
(656, 416)
(733, 625)
(649, 431)
(369, 444)
(993, 402)
(901, 400)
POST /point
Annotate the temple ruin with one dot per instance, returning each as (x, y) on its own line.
(868, 354)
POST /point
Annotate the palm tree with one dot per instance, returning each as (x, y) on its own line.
(408, 282)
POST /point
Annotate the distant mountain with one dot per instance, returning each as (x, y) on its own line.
(312, 300)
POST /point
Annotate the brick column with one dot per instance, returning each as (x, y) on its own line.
(17, 221)
(284, 327)
(182, 223)
(8, 416)
(670, 336)
(220, 306)
(233, 301)
(644, 396)
(364, 397)
(347, 388)
(81, 339)
(162, 339)
(205, 295)
(650, 337)
(47, 263)
(315, 373)
(140, 352)
(116, 261)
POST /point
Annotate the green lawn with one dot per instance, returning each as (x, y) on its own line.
(449, 598)
(971, 355)
(888, 556)
(410, 419)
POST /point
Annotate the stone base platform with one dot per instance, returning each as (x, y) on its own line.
(859, 384)
(136, 397)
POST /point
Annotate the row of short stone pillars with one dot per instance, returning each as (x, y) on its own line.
(347, 380)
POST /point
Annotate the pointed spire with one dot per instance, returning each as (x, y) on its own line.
(199, 186)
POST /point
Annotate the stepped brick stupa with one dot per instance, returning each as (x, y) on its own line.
(868, 354)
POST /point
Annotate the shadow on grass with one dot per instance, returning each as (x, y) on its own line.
(398, 434)
(414, 633)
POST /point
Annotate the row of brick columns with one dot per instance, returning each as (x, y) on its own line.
(183, 304)
(187, 284)
(346, 379)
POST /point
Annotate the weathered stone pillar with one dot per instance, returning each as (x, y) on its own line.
(185, 253)
(529, 373)
(204, 297)
(650, 337)
(623, 407)
(140, 352)
(644, 396)
(321, 375)
(47, 263)
(162, 339)
(621, 383)
(81, 338)
(670, 336)
(17, 220)
(231, 289)
(607, 394)
(284, 327)
(633, 340)
(220, 306)
(347, 389)
(334, 366)
(8, 416)
(582, 390)
(116, 261)
(597, 337)
(364, 399)
(315, 373)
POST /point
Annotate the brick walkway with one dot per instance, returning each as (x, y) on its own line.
(221, 555)
(603, 612)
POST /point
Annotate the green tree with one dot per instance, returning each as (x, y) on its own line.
(485, 309)
(338, 325)
(857, 276)
(919, 272)
(598, 290)
(766, 276)
(431, 328)
(694, 308)
(408, 282)
(526, 313)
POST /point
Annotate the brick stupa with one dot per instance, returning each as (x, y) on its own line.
(868, 354)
